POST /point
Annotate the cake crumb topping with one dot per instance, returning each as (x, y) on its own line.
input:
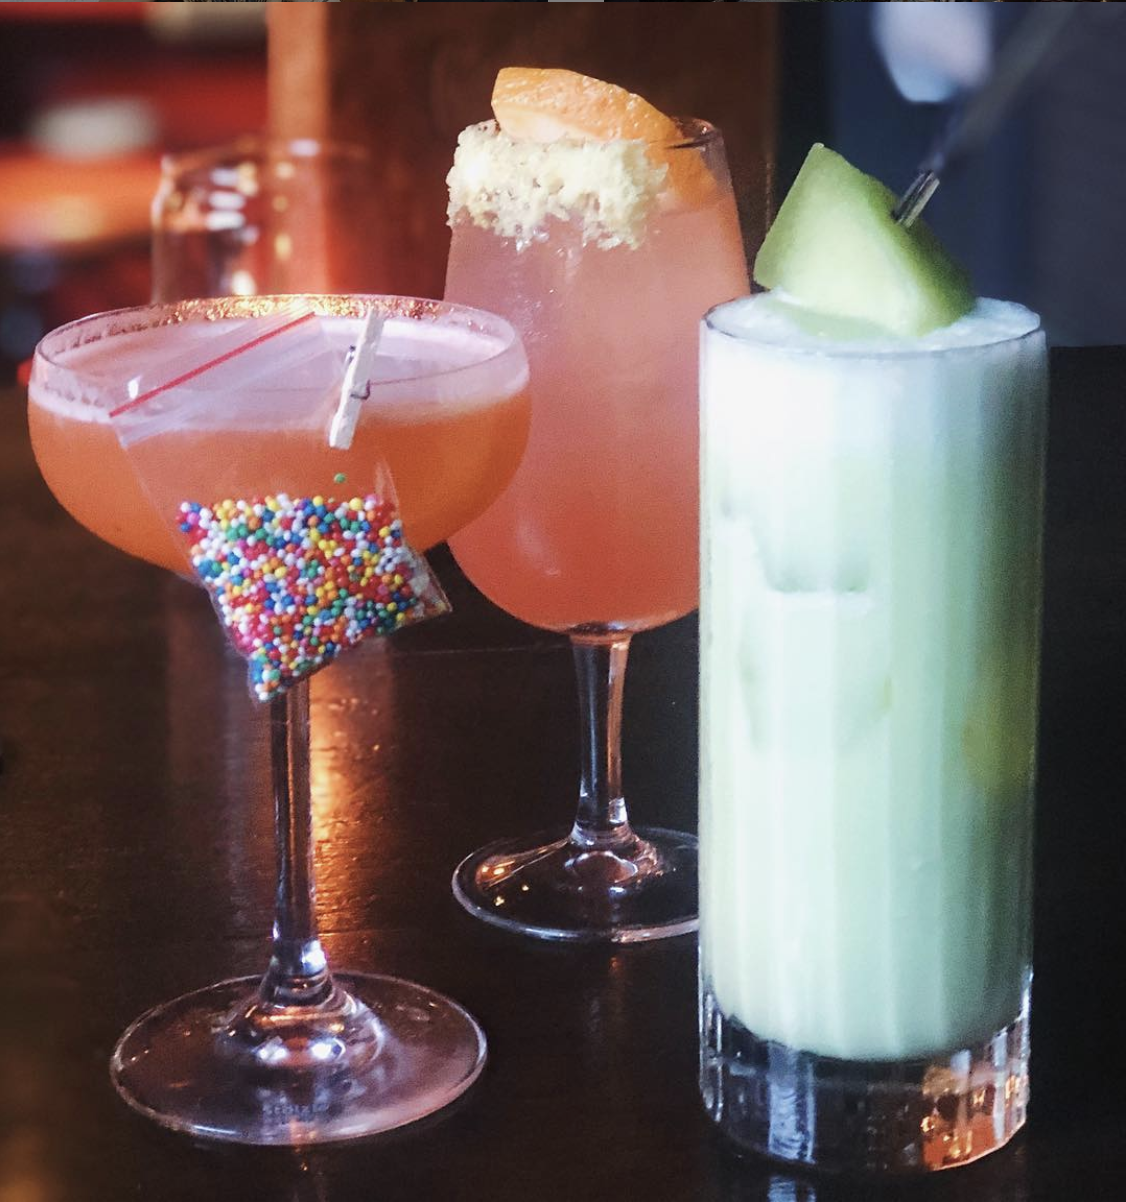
(514, 187)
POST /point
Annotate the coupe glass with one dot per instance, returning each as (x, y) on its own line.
(302, 1055)
(596, 536)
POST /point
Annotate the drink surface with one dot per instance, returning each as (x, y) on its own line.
(599, 526)
(450, 438)
(869, 647)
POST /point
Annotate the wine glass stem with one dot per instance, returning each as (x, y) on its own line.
(600, 663)
(298, 973)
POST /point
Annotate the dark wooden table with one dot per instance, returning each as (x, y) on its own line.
(136, 863)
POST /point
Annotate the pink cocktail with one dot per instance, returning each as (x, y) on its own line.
(606, 276)
(599, 526)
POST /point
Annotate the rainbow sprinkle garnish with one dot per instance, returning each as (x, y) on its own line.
(297, 580)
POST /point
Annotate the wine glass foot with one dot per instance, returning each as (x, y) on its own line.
(399, 1052)
(550, 887)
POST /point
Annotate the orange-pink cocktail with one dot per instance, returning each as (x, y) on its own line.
(213, 419)
(450, 438)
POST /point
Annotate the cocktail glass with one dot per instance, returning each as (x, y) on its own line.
(869, 663)
(596, 536)
(302, 1055)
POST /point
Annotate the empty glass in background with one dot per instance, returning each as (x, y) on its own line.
(266, 216)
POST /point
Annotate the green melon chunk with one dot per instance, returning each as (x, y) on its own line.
(834, 248)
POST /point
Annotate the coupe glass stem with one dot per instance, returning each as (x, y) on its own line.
(600, 662)
(298, 974)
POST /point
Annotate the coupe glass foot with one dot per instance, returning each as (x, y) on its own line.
(553, 888)
(382, 1054)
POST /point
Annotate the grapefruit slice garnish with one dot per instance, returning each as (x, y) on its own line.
(546, 104)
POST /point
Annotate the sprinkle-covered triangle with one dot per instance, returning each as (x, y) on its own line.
(297, 580)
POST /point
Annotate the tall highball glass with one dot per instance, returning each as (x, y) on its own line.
(870, 624)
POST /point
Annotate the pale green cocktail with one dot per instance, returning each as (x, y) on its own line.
(869, 646)
(871, 510)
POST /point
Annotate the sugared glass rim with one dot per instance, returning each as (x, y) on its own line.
(54, 376)
(884, 349)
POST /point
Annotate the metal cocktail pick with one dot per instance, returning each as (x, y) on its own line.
(976, 118)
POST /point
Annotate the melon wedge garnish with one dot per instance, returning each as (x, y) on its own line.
(835, 249)
(546, 104)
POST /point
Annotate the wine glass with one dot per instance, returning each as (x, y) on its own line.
(302, 1055)
(596, 535)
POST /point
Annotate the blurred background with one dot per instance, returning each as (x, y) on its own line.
(97, 92)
